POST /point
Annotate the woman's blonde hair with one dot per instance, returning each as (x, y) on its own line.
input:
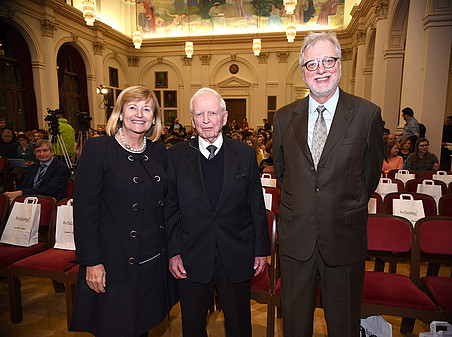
(130, 94)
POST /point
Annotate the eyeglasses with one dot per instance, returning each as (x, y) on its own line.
(328, 63)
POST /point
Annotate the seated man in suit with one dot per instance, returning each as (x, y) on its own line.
(48, 176)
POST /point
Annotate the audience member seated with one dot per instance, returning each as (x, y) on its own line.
(392, 160)
(4, 126)
(267, 162)
(25, 152)
(405, 148)
(421, 160)
(251, 141)
(48, 176)
(176, 127)
(8, 148)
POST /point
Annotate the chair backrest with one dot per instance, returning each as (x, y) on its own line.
(445, 205)
(388, 233)
(47, 218)
(276, 198)
(3, 164)
(271, 220)
(427, 201)
(70, 187)
(4, 208)
(63, 201)
(449, 188)
(269, 169)
(411, 185)
(378, 202)
(391, 174)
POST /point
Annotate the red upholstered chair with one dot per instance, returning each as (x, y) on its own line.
(411, 185)
(433, 244)
(51, 263)
(70, 187)
(4, 208)
(378, 202)
(3, 167)
(445, 205)
(10, 254)
(427, 201)
(391, 174)
(263, 285)
(269, 169)
(276, 199)
(70, 283)
(390, 293)
(449, 189)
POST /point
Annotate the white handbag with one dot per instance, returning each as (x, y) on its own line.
(404, 175)
(376, 326)
(407, 207)
(23, 223)
(443, 176)
(64, 236)
(386, 186)
(428, 187)
(267, 180)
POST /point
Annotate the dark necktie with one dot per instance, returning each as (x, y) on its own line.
(319, 136)
(40, 175)
(211, 149)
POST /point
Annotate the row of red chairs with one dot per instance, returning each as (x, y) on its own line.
(426, 175)
(39, 260)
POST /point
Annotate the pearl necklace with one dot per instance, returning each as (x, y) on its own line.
(141, 149)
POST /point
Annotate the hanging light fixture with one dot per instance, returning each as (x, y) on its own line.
(257, 45)
(291, 32)
(189, 49)
(137, 38)
(89, 11)
(289, 5)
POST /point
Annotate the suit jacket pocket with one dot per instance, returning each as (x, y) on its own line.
(354, 140)
(285, 212)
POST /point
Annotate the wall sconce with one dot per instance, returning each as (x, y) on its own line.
(89, 11)
(137, 38)
(101, 90)
(189, 49)
(289, 5)
(257, 45)
(291, 32)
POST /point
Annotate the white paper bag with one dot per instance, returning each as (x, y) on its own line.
(23, 223)
(376, 326)
(64, 236)
(372, 206)
(443, 176)
(404, 175)
(386, 186)
(267, 180)
(268, 198)
(438, 329)
(407, 207)
(428, 187)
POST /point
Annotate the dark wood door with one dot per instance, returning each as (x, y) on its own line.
(236, 109)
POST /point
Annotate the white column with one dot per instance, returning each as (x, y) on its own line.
(360, 62)
(50, 81)
(99, 113)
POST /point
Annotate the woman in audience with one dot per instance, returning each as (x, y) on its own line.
(392, 161)
(405, 148)
(25, 150)
(123, 286)
(251, 141)
(421, 160)
(267, 162)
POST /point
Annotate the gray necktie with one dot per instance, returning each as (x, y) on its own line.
(319, 136)
(40, 175)
(211, 149)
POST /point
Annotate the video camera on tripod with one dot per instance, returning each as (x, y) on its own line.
(83, 121)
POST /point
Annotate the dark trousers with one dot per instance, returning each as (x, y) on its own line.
(341, 294)
(195, 299)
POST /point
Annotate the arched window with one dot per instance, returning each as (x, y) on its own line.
(72, 86)
(17, 95)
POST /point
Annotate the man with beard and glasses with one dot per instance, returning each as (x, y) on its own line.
(327, 153)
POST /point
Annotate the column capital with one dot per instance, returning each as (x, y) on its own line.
(133, 61)
(282, 56)
(263, 57)
(347, 54)
(98, 47)
(205, 59)
(360, 37)
(186, 60)
(48, 27)
(381, 9)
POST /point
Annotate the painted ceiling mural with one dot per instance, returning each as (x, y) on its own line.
(163, 18)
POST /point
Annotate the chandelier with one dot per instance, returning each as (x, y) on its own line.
(189, 49)
(89, 11)
(291, 32)
(257, 45)
(137, 38)
(289, 5)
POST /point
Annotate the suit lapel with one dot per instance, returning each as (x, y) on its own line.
(230, 168)
(194, 169)
(342, 117)
(300, 126)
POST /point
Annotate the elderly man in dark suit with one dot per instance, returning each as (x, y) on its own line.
(216, 220)
(328, 152)
(48, 176)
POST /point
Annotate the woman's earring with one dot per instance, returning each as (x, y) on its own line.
(120, 118)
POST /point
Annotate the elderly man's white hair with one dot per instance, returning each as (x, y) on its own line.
(211, 91)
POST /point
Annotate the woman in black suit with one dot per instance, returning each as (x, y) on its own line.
(122, 287)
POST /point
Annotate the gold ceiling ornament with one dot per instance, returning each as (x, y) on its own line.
(137, 38)
(89, 11)
(189, 49)
(289, 6)
(291, 32)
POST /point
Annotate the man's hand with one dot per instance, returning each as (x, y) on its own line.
(259, 264)
(176, 267)
(12, 195)
(96, 278)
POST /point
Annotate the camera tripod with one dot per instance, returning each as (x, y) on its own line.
(55, 138)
